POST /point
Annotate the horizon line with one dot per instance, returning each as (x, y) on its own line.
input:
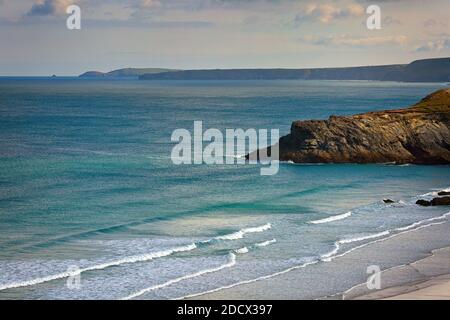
(50, 74)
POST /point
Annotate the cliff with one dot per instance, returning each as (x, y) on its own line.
(123, 73)
(419, 134)
(429, 70)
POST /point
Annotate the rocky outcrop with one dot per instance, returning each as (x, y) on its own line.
(424, 203)
(419, 134)
(442, 201)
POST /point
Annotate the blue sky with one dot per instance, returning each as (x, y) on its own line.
(193, 34)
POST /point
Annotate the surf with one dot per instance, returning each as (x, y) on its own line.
(231, 262)
(332, 218)
(136, 258)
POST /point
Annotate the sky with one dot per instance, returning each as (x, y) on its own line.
(207, 34)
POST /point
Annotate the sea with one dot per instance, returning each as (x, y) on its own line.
(92, 206)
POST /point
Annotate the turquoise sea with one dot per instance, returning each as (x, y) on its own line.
(88, 191)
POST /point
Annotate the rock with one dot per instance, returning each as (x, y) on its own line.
(444, 193)
(419, 134)
(444, 201)
(424, 203)
(388, 201)
(441, 201)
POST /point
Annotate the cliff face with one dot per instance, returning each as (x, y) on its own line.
(428, 70)
(123, 73)
(419, 134)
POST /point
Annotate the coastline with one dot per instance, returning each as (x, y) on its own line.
(431, 287)
(405, 269)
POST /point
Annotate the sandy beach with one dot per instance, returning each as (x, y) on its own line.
(425, 277)
(435, 288)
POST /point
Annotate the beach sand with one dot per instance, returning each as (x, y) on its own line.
(414, 264)
(434, 288)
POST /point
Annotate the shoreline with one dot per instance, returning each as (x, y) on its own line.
(425, 266)
(431, 287)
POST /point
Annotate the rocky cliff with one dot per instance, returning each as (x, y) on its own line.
(419, 134)
(123, 73)
(427, 70)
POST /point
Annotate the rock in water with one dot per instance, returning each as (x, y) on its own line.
(444, 201)
(388, 201)
(419, 134)
(444, 193)
(424, 203)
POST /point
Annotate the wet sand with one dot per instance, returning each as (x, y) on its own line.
(431, 288)
(414, 264)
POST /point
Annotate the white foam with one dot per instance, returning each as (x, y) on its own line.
(418, 223)
(337, 244)
(380, 240)
(332, 252)
(265, 243)
(327, 256)
(432, 193)
(240, 234)
(376, 235)
(332, 218)
(231, 262)
(242, 250)
(435, 192)
(308, 263)
(131, 259)
(249, 281)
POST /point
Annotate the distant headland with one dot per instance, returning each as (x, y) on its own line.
(427, 70)
(124, 73)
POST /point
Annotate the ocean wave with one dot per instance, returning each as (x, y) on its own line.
(231, 262)
(330, 258)
(375, 235)
(380, 240)
(418, 223)
(265, 243)
(240, 234)
(409, 228)
(332, 218)
(242, 250)
(249, 281)
(133, 259)
(337, 244)
(434, 193)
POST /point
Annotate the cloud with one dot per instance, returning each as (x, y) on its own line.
(114, 23)
(49, 7)
(326, 13)
(435, 45)
(433, 23)
(346, 40)
(150, 4)
(390, 21)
